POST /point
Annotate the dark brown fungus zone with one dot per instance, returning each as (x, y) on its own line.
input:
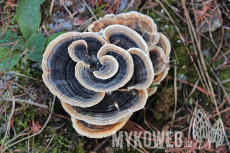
(124, 37)
(158, 59)
(147, 29)
(115, 106)
(143, 70)
(124, 73)
(59, 69)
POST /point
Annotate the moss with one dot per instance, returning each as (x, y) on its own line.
(225, 75)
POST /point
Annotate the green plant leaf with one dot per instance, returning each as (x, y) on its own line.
(28, 16)
(36, 45)
(98, 11)
(4, 60)
(9, 37)
(52, 37)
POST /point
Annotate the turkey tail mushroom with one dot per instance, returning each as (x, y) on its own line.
(101, 82)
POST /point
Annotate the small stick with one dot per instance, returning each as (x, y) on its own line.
(175, 92)
(24, 101)
(11, 114)
(49, 143)
(51, 7)
(44, 28)
(12, 49)
(101, 144)
(90, 10)
(68, 11)
(129, 5)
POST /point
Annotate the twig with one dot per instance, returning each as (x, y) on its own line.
(218, 80)
(225, 81)
(8, 125)
(194, 88)
(226, 27)
(23, 75)
(62, 116)
(210, 33)
(25, 89)
(7, 17)
(222, 38)
(100, 145)
(226, 110)
(67, 11)
(2, 23)
(44, 28)
(129, 4)
(24, 101)
(7, 23)
(12, 49)
(143, 7)
(49, 143)
(90, 10)
(84, 24)
(214, 60)
(51, 7)
(52, 31)
(175, 93)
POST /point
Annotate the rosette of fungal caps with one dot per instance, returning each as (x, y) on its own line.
(103, 76)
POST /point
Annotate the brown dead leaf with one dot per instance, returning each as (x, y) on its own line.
(78, 21)
(35, 128)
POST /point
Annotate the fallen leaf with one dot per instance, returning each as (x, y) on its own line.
(78, 21)
(35, 128)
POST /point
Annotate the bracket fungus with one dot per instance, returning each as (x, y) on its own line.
(102, 80)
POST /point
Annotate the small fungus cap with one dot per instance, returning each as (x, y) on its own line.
(59, 68)
(97, 131)
(165, 45)
(159, 55)
(115, 106)
(124, 70)
(141, 23)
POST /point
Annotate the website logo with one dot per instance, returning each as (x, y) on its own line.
(201, 130)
